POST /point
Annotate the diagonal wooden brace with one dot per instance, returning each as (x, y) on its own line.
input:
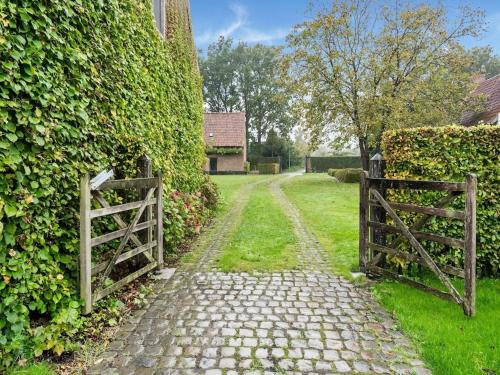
(125, 238)
(443, 202)
(121, 224)
(416, 245)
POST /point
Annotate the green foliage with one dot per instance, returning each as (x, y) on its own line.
(84, 86)
(224, 150)
(268, 168)
(347, 175)
(320, 164)
(276, 149)
(448, 154)
(484, 60)
(246, 167)
(246, 78)
(407, 71)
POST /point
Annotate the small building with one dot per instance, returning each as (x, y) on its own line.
(491, 115)
(225, 139)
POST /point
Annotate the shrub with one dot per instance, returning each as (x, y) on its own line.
(85, 86)
(268, 168)
(246, 167)
(348, 175)
(448, 154)
(320, 164)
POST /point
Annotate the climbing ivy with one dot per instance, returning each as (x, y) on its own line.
(84, 85)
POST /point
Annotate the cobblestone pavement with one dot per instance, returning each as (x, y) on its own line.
(293, 322)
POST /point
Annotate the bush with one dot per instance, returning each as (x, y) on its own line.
(246, 167)
(268, 168)
(448, 154)
(348, 175)
(321, 164)
(85, 85)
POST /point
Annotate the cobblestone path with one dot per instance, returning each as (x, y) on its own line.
(306, 321)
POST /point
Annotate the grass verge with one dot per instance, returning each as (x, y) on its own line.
(264, 240)
(330, 210)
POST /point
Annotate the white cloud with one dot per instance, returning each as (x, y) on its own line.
(240, 30)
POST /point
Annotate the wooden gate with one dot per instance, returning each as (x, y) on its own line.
(373, 246)
(94, 283)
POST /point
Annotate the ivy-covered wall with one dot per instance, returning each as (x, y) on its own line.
(84, 85)
(448, 154)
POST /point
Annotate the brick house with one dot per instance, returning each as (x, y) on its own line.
(225, 139)
(491, 89)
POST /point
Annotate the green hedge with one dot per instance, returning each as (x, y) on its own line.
(347, 175)
(448, 154)
(317, 164)
(268, 168)
(85, 85)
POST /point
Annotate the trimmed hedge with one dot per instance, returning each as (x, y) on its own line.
(448, 154)
(85, 85)
(268, 168)
(348, 175)
(317, 164)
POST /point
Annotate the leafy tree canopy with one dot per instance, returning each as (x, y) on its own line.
(246, 78)
(357, 69)
(484, 60)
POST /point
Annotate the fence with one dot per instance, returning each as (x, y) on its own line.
(146, 219)
(373, 230)
(322, 164)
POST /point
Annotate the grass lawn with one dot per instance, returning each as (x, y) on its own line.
(264, 240)
(330, 210)
(449, 342)
(228, 187)
(35, 369)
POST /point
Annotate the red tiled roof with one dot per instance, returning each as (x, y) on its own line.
(490, 88)
(225, 129)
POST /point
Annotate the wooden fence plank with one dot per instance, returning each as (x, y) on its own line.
(85, 247)
(119, 233)
(110, 289)
(416, 245)
(124, 256)
(118, 208)
(414, 258)
(136, 183)
(415, 184)
(159, 220)
(126, 237)
(420, 235)
(413, 283)
(470, 246)
(441, 212)
(363, 219)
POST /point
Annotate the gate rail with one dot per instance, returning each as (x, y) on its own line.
(149, 245)
(373, 229)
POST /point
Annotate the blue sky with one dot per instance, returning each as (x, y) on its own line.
(269, 21)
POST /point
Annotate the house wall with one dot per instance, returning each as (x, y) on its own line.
(227, 163)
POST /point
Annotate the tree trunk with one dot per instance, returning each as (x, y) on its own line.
(365, 153)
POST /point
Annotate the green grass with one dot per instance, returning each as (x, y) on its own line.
(264, 240)
(450, 342)
(229, 186)
(330, 210)
(34, 369)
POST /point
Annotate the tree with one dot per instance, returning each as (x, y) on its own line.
(247, 78)
(484, 60)
(356, 70)
(276, 145)
(220, 87)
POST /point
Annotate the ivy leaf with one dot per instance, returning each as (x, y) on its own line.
(11, 137)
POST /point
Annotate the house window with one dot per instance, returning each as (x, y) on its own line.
(159, 14)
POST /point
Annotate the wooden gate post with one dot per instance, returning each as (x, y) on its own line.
(363, 219)
(377, 214)
(85, 247)
(159, 222)
(145, 170)
(308, 164)
(470, 246)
